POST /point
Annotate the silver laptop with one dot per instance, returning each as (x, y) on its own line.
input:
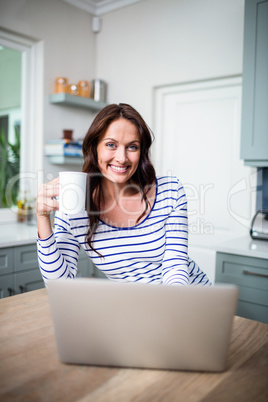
(100, 322)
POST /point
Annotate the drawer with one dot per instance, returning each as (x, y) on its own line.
(6, 260)
(25, 257)
(251, 277)
(242, 271)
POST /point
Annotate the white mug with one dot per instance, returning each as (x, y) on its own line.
(72, 195)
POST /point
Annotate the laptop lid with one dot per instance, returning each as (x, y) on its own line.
(100, 322)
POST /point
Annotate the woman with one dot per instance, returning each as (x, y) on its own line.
(135, 225)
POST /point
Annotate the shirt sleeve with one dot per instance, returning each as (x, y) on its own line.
(58, 254)
(175, 262)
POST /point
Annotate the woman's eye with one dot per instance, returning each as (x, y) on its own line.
(133, 147)
(110, 145)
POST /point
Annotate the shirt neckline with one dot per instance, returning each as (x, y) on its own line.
(140, 223)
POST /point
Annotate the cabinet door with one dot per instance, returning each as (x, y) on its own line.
(84, 266)
(27, 281)
(254, 141)
(6, 286)
(6, 260)
(251, 277)
(25, 257)
(98, 274)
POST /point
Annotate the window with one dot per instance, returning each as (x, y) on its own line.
(22, 121)
(10, 121)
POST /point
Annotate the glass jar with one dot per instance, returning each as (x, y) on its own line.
(72, 89)
(84, 89)
(61, 85)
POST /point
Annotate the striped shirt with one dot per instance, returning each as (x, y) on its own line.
(153, 251)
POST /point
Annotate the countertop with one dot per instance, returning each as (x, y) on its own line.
(31, 371)
(244, 246)
(17, 234)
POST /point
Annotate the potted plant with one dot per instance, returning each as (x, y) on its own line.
(9, 166)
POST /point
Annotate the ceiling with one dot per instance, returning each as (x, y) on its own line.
(99, 7)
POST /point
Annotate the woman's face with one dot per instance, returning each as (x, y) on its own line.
(118, 151)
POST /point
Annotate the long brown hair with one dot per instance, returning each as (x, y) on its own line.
(144, 176)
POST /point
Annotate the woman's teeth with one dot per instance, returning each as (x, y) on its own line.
(118, 168)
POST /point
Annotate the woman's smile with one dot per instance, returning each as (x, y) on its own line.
(119, 169)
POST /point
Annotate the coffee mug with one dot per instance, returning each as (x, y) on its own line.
(72, 194)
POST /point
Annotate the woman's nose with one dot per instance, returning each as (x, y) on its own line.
(121, 155)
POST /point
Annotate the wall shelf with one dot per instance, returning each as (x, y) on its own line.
(64, 99)
(65, 160)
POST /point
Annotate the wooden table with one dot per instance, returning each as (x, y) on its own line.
(30, 369)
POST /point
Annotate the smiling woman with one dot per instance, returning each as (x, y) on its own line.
(135, 226)
(116, 150)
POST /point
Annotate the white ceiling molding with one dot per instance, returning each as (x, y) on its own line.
(100, 7)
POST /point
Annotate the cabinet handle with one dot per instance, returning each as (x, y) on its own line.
(22, 289)
(246, 272)
(11, 291)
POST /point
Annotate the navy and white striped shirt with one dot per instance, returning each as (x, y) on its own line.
(153, 251)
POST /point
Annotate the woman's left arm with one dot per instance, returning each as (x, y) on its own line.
(175, 262)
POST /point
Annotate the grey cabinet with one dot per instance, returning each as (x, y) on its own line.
(98, 274)
(86, 268)
(251, 277)
(6, 260)
(254, 131)
(6, 286)
(19, 270)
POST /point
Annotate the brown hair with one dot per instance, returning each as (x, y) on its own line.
(144, 175)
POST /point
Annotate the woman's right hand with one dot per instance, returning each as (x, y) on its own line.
(46, 201)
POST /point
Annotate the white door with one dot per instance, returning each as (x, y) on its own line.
(197, 130)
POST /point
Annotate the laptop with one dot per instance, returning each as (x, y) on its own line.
(101, 322)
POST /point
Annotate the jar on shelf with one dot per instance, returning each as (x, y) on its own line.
(84, 89)
(73, 89)
(61, 85)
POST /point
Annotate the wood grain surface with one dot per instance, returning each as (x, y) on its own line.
(30, 369)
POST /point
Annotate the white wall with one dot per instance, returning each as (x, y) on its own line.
(156, 42)
(69, 50)
(147, 44)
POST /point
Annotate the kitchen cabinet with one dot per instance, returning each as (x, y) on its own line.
(19, 270)
(251, 276)
(254, 131)
(6, 286)
(85, 267)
